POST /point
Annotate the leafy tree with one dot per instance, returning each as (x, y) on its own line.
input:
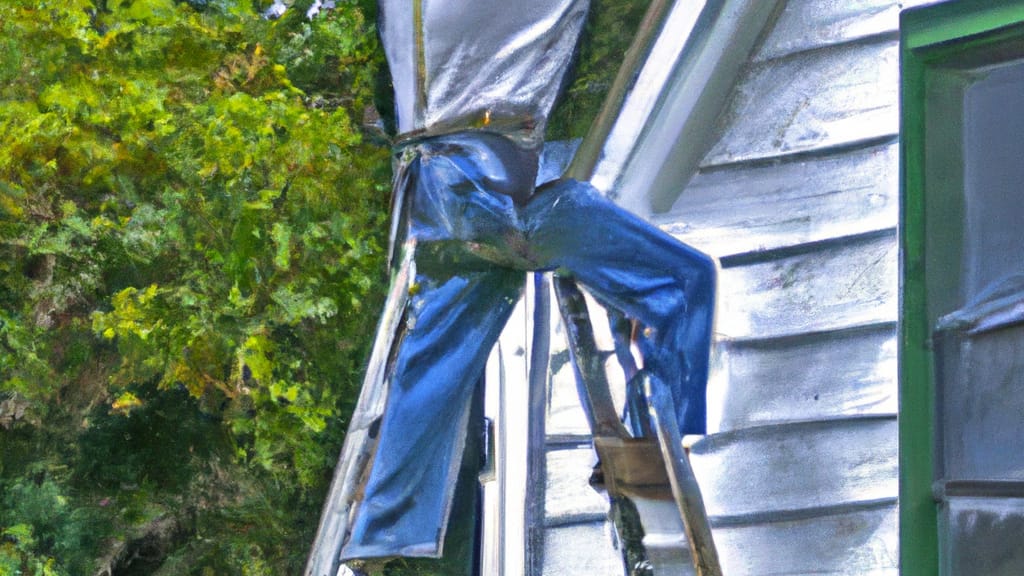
(192, 220)
(190, 266)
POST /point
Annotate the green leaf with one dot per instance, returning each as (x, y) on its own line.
(21, 534)
(282, 235)
(151, 11)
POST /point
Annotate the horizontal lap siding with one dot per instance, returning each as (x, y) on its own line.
(857, 542)
(799, 199)
(833, 97)
(810, 25)
(784, 469)
(850, 284)
(810, 377)
(749, 209)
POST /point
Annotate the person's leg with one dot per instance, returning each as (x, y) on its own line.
(642, 272)
(450, 326)
(458, 193)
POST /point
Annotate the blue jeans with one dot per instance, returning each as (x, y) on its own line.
(477, 225)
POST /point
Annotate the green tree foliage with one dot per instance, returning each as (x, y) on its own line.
(607, 35)
(191, 261)
(192, 228)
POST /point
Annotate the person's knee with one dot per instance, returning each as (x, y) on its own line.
(703, 282)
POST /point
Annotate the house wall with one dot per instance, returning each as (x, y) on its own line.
(798, 197)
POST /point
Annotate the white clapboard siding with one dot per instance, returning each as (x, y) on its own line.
(811, 24)
(578, 537)
(861, 542)
(798, 198)
(830, 97)
(809, 377)
(767, 206)
(796, 467)
(802, 477)
(850, 283)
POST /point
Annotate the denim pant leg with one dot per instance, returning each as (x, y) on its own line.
(450, 326)
(642, 272)
(459, 200)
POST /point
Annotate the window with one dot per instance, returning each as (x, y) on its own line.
(962, 313)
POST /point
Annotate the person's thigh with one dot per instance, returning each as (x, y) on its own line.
(642, 272)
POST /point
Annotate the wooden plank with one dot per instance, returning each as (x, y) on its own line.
(815, 377)
(810, 24)
(749, 208)
(776, 470)
(824, 98)
(852, 284)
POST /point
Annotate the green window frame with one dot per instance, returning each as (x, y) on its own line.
(935, 41)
